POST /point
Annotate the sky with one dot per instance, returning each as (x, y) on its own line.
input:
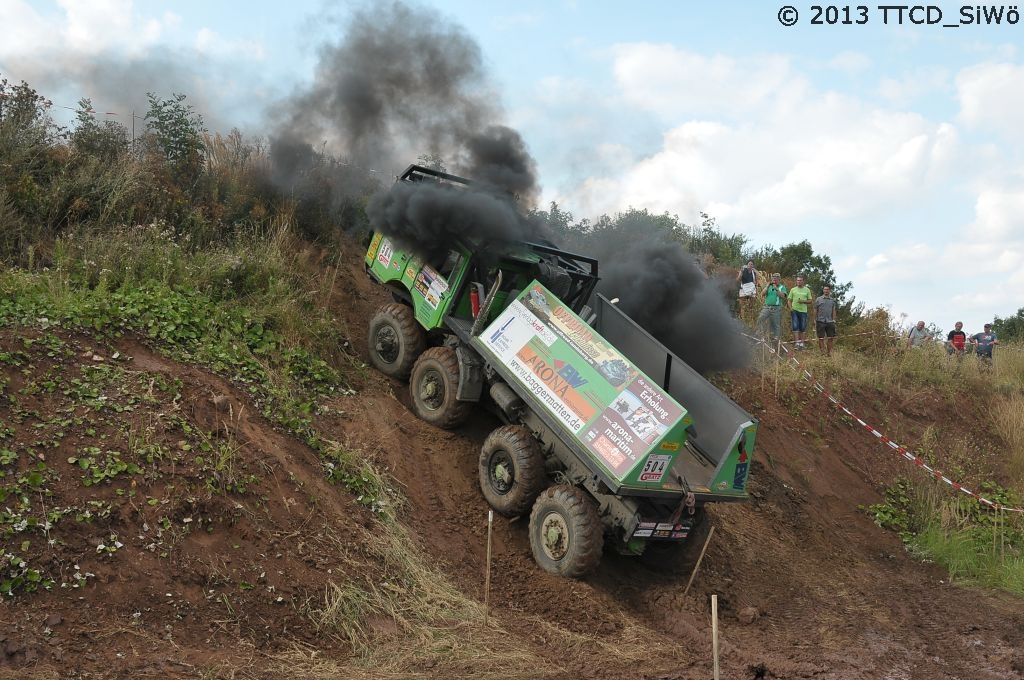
(890, 143)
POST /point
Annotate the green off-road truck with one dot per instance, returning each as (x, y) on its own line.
(609, 437)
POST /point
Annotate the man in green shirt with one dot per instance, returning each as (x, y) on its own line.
(799, 297)
(771, 315)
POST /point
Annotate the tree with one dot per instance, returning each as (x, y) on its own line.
(708, 238)
(1010, 328)
(177, 131)
(106, 142)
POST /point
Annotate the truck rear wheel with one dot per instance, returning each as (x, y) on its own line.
(566, 534)
(511, 470)
(433, 384)
(395, 340)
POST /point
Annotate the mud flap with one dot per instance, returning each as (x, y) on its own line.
(471, 374)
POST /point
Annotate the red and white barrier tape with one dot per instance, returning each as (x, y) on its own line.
(902, 451)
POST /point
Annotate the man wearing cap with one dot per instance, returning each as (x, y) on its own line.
(983, 343)
(771, 315)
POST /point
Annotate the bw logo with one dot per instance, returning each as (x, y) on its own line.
(569, 374)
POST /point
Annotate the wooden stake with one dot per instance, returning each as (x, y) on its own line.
(699, 559)
(764, 362)
(778, 364)
(487, 577)
(714, 633)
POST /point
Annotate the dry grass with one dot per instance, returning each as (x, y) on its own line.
(1008, 416)
(401, 617)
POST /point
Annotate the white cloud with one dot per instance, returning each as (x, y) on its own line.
(991, 96)
(675, 83)
(919, 82)
(23, 27)
(899, 263)
(999, 216)
(813, 154)
(76, 30)
(96, 26)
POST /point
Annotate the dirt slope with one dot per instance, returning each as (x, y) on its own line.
(837, 596)
(221, 584)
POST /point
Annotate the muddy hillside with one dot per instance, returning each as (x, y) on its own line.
(156, 523)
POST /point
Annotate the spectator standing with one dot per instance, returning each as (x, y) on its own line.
(771, 314)
(983, 343)
(747, 279)
(799, 297)
(825, 320)
(956, 340)
(918, 335)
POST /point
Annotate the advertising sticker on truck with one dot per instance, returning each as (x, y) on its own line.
(430, 285)
(590, 346)
(386, 252)
(636, 419)
(611, 407)
(546, 382)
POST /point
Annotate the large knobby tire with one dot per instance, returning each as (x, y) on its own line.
(511, 470)
(433, 385)
(566, 534)
(395, 340)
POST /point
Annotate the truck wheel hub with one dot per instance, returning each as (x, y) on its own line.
(387, 344)
(555, 534)
(502, 473)
(432, 391)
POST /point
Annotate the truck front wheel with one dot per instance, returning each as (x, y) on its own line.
(511, 470)
(433, 385)
(566, 534)
(395, 340)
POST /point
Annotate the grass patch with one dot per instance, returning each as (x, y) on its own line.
(974, 543)
(405, 619)
(263, 329)
(1008, 416)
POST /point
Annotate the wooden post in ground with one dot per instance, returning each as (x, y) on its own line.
(487, 577)
(778, 364)
(699, 560)
(714, 634)
(764, 362)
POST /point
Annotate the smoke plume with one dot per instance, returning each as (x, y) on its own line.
(428, 217)
(403, 83)
(661, 287)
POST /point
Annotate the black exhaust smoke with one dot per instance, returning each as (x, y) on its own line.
(660, 286)
(404, 83)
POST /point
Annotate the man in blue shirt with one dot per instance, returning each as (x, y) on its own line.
(983, 343)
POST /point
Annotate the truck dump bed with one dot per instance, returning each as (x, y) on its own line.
(621, 411)
(721, 428)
